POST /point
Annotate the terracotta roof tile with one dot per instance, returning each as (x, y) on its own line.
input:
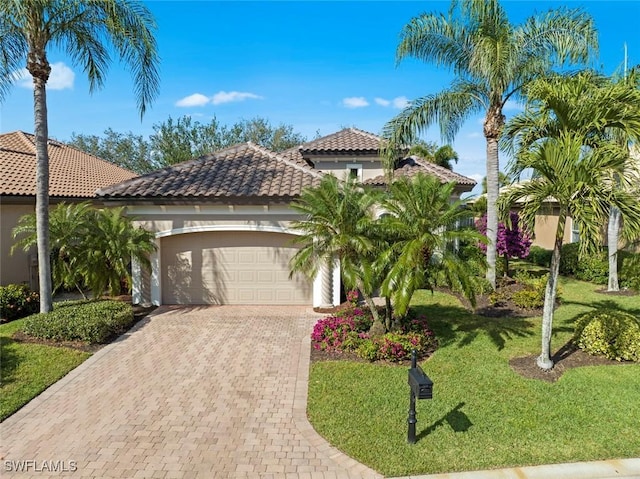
(244, 170)
(344, 141)
(413, 165)
(72, 172)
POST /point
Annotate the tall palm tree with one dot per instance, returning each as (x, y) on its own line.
(338, 226)
(492, 60)
(562, 139)
(87, 31)
(421, 227)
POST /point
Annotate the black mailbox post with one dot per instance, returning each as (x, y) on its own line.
(421, 388)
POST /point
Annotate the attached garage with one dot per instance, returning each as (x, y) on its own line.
(230, 267)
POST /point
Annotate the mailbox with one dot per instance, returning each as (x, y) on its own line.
(421, 385)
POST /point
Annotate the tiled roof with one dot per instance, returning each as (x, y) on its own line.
(413, 165)
(244, 170)
(344, 141)
(72, 172)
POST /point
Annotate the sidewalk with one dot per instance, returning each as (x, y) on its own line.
(614, 468)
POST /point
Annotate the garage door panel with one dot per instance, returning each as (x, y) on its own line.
(230, 268)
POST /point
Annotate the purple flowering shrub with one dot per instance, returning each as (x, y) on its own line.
(511, 242)
(330, 333)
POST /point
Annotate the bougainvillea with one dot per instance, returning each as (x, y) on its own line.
(512, 242)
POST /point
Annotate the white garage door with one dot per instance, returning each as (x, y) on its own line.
(230, 268)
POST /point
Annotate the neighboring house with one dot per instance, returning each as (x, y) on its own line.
(222, 222)
(74, 176)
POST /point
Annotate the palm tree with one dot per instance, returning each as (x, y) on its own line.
(562, 139)
(86, 30)
(421, 227)
(441, 156)
(338, 226)
(69, 225)
(106, 252)
(492, 60)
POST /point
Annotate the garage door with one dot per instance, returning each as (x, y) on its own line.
(230, 268)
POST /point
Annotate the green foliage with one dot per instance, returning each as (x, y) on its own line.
(610, 333)
(541, 257)
(94, 322)
(592, 267)
(17, 301)
(89, 248)
(175, 141)
(532, 295)
(570, 259)
(630, 273)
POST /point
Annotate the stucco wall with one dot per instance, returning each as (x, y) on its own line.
(339, 166)
(545, 230)
(13, 268)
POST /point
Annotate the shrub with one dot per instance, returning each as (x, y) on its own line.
(540, 256)
(630, 272)
(18, 301)
(332, 332)
(533, 292)
(569, 259)
(93, 322)
(611, 333)
(594, 269)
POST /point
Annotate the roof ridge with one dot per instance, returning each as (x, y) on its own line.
(425, 163)
(286, 161)
(373, 136)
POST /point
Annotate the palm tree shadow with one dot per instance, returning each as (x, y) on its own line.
(604, 304)
(453, 324)
(457, 420)
(9, 360)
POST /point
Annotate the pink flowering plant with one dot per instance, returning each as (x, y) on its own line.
(348, 331)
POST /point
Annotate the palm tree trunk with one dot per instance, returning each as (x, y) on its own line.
(612, 240)
(42, 193)
(369, 301)
(492, 207)
(544, 360)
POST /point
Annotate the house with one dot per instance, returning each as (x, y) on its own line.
(74, 176)
(222, 222)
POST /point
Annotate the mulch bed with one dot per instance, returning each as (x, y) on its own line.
(566, 358)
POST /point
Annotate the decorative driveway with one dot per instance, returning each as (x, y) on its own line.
(189, 392)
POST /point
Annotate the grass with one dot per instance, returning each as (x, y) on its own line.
(27, 369)
(483, 415)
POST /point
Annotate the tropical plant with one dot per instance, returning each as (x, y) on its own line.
(90, 248)
(86, 31)
(492, 60)
(439, 155)
(421, 224)
(107, 251)
(337, 226)
(560, 138)
(69, 225)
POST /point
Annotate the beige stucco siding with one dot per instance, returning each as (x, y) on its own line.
(13, 268)
(371, 167)
(545, 231)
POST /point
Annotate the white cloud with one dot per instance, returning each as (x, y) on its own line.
(476, 176)
(60, 78)
(355, 102)
(197, 99)
(382, 101)
(232, 96)
(400, 102)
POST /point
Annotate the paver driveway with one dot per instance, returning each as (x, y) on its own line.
(190, 392)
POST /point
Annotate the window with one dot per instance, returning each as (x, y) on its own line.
(575, 232)
(354, 171)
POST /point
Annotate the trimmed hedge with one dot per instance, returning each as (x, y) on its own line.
(610, 333)
(540, 256)
(18, 301)
(94, 322)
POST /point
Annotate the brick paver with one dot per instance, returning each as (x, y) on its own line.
(189, 392)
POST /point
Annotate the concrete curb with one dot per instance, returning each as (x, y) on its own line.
(614, 468)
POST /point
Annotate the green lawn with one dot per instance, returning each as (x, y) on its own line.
(28, 369)
(483, 415)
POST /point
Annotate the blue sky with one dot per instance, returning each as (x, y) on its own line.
(318, 66)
